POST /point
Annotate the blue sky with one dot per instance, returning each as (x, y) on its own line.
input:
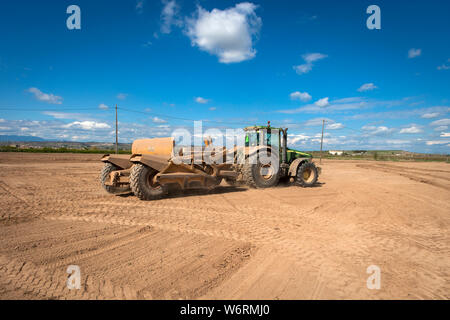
(233, 63)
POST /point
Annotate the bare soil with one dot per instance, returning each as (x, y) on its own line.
(231, 243)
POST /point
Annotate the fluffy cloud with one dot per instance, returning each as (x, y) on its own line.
(441, 122)
(322, 103)
(228, 34)
(434, 142)
(444, 66)
(374, 130)
(412, 129)
(46, 97)
(430, 115)
(201, 100)
(335, 126)
(158, 120)
(140, 6)
(87, 125)
(302, 96)
(62, 115)
(122, 96)
(295, 138)
(367, 87)
(317, 122)
(413, 53)
(169, 16)
(309, 59)
(445, 135)
(103, 106)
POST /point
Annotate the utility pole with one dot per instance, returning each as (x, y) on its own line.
(321, 141)
(117, 134)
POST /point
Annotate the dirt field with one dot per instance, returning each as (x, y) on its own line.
(232, 243)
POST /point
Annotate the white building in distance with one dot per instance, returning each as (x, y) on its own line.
(336, 152)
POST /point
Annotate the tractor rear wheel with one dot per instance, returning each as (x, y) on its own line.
(260, 175)
(307, 175)
(104, 178)
(141, 181)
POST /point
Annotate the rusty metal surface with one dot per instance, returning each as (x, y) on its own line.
(120, 160)
(161, 147)
(156, 162)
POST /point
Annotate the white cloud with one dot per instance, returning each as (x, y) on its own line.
(374, 130)
(443, 67)
(434, 142)
(62, 115)
(367, 87)
(309, 58)
(122, 96)
(445, 135)
(46, 97)
(228, 34)
(212, 108)
(441, 128)
(313, 57)
(413, 53)
(295, 138)
(158, 120)
(430, 115)
(317, 122)
(87, 125)
(351, 103)
(140, 6)
(103, 106)
(441, 122)
(302, 96)
(322, 103)
(169, 16)
(397, 141)
(335, 126)
(201, 100)
(412, 129)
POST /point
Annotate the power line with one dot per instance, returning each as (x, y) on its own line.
(181, 118)
(93, 109)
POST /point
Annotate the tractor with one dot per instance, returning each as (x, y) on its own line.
(157, 163)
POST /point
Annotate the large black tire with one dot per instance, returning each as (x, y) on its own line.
(254, 177)
(104, 177)
(141, 183)
(307, 175)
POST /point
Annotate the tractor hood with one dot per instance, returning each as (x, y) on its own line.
(299, 154)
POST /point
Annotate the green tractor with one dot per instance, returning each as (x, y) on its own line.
(288, 163)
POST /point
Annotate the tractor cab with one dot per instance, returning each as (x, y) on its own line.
(276, 138)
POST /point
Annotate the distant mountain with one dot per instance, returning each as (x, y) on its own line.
(20, 138)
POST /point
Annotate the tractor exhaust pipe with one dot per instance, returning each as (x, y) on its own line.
(284, 146)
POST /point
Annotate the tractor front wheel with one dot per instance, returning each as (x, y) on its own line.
(307, 175)
(143, 185)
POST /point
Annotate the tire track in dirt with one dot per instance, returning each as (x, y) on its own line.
(42, 283)
(410, 174)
